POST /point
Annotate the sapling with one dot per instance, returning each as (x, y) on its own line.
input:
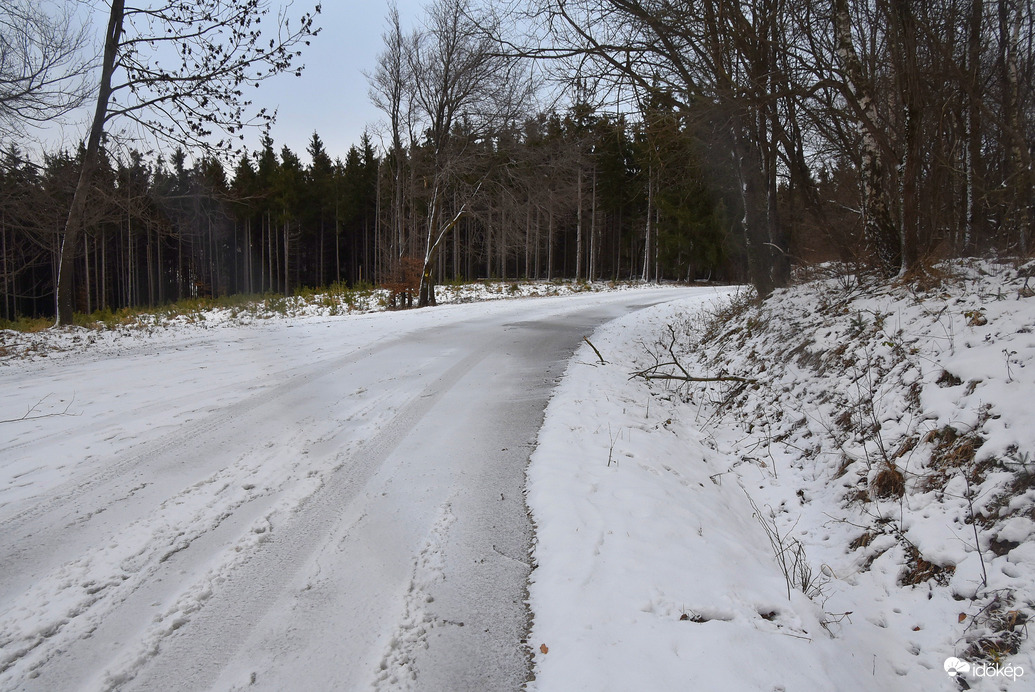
(977, 540)
(611, 449)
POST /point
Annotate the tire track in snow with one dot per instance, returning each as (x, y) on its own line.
(206, 625)
(83, 593)
(235, 561)
(126, 485)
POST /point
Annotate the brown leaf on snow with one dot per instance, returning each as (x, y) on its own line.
(544, 648)
(963, 616)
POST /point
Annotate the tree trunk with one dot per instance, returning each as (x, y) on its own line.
(8, 284)
(883, 244)
(593, 230)
(528, 240)
(549, 246)
(755, 221)
(1021, 171)
(287, 255)
(488, 242)
(972, 227)
(578, 228)
(538, 233)
(104, 277)
(64, 297)
(645, 275)
(910, 93)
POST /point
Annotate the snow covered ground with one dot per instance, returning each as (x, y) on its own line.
(857, 516)
(300, 502)
(287, 496)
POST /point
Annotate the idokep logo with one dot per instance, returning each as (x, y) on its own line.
(957, 667)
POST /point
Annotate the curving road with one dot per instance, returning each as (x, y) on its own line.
(331, 504)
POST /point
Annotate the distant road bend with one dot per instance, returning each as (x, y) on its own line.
(318, 504)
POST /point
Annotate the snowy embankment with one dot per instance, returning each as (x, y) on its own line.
(852, 517)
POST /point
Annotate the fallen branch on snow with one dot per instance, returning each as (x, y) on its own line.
(652, 373)
(602, 361)
(32, 410)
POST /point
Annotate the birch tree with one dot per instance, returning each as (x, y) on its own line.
(882, 237)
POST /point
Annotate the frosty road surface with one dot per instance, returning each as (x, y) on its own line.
(328, 504)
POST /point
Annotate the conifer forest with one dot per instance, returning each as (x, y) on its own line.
(724, 140)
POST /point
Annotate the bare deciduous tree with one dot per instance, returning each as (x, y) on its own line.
(459, 75)
(390, 91)
(879, 228)
(43, 65)
(179, 71)
(715, 58)
(452, 87)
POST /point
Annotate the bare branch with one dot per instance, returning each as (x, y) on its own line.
(602, 361)
(31, 413)
(655, 372)
(43, 64)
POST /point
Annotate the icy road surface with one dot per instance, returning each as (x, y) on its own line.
(328, 504)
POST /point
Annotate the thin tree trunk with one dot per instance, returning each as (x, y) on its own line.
(645, 275)
(1020, 156)
(882, 238)
(973, 133)
(578, 227)
(538, 242)
(500, 243)
(104, 276)
(488, 244)
(134, 279)
(86, 271)
(183, 274)
(8, 284)
(64, 299)
(266, 228)
(909, 89)
(528, 240)
(287, 255)
(593, 230)
(337, 244)
(549, 246)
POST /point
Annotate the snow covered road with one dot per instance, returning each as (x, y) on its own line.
(333, 502)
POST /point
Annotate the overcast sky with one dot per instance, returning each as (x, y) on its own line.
(330, 98)
(331, 95)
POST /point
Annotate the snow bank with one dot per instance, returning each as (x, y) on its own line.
(852, 518)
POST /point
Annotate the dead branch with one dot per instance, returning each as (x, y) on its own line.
(31, 414)
(647, 375)
(652, 373)
(602, 361)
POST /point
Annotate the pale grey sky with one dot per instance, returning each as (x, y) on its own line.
(331, 95)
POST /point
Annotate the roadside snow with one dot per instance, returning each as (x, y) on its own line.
(319, 502)
(161, 329)
(814, 529)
